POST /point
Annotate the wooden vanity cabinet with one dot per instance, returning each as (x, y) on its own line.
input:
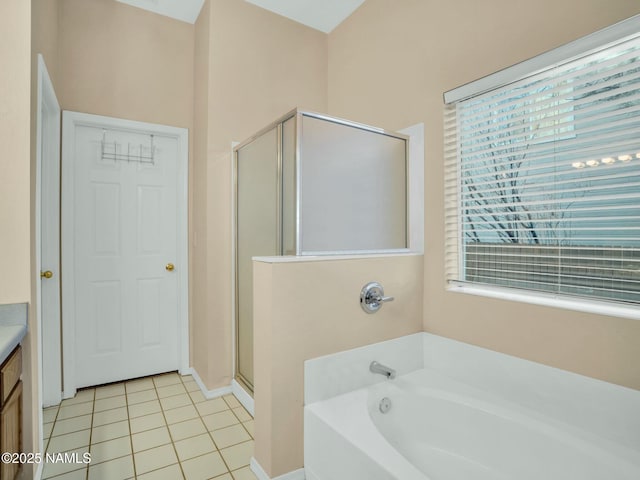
(11, 412)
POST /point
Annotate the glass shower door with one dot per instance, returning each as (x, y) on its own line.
(257, 234)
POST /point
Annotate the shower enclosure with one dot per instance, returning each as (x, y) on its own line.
(310, 184)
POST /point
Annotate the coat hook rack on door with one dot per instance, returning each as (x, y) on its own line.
(109, 151)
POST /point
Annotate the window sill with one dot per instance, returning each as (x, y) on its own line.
(332, 257)
(550, 300)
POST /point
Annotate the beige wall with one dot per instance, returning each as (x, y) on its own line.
(15, 45)
(200, 320)
(263, 65)
(121, 61)
(15, 186)
(307, 309)
(389, 65)
(45, 36)
(260, 65)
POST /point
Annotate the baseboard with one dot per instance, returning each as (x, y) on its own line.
(243, 397)
(257, 469)
(208, 394)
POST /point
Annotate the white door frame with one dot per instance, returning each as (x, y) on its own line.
(49, 123)
(70, 120)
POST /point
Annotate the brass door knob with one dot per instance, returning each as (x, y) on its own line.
(169, 267)
(46, 274)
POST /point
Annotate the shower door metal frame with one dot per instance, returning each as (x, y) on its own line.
(347, 123)
(245, 382)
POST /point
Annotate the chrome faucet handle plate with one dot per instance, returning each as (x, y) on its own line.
(372, 297)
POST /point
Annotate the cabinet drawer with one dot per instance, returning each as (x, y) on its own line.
(10, 373)
(11, 432)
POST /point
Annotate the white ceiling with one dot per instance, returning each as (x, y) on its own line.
(323, 15)
(185, 10)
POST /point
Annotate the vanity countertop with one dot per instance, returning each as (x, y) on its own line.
(13, 327)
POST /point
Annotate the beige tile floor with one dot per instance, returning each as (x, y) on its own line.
(153, 428)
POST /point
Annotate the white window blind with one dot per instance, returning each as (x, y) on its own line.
(542, 179)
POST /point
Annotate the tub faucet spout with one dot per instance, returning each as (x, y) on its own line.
(388, 372)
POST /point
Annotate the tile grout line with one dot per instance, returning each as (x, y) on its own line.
(60, 406)
(93, 409)
(228, 446)
(166, 423)
(242, 423)
(229, 408)
(208, 432)
(126, 401)
(112, 423)
(130, 434)
(52, 427)
(211, 436)
(55, 419)
(199, 417)
(219, 450)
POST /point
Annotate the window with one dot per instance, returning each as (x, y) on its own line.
(543, 172)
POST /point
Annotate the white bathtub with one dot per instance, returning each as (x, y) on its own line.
(441, 427)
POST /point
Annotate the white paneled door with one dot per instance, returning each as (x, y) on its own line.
(122, 216)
